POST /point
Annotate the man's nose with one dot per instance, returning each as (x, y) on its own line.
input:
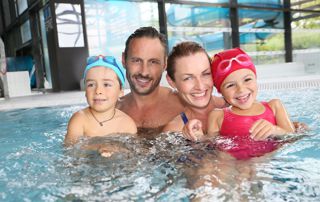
(144, 69)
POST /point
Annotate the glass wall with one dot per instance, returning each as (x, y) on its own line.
(306, 4)
(22, 6)
(262, 35)
(263, 4)
(209, 26)
(25, 32)
(109, 23)
(306, 40)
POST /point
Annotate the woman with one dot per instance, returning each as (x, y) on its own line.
(188, 72)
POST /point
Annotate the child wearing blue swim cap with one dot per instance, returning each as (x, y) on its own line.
(104, 80)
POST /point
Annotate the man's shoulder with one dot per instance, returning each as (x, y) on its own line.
(124, 101)
(168, 93)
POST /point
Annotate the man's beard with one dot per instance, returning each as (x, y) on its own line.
(143, 92)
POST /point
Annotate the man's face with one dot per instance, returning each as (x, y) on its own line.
(145, 63)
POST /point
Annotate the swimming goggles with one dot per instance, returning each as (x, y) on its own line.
(225, 65)
(105, 61)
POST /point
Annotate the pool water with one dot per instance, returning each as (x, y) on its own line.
(34, 165)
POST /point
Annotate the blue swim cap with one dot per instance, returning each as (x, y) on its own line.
(108, 62)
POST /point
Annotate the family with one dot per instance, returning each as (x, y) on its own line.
(189, 106)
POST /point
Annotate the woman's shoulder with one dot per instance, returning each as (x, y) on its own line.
(176, 124)
(216, 113)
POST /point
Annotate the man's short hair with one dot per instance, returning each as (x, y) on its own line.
(180, 50)
(149, 32)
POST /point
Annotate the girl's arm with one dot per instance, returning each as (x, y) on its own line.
(263, 129)
(282, 117)
(214, 122)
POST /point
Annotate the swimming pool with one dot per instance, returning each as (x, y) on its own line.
(36, 167)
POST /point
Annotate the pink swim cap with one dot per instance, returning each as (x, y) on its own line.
(228, 61)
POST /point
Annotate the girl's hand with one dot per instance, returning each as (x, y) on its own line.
(262, 129)
(193, 130)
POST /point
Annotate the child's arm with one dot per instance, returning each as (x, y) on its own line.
(214, 122)
(263, 129)
(75, 129)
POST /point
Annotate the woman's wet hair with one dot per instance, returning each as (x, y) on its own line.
(149, 32)
(180, 50)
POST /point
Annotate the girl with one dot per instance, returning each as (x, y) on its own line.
(247, 127)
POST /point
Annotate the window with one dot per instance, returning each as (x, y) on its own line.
(306, 40)
(209, 26)
(262, 35)
(109, 23)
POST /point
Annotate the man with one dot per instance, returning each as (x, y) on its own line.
(150, 105)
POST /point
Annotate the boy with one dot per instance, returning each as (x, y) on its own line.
(104, 80)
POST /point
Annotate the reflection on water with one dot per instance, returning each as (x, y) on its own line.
(35, 167)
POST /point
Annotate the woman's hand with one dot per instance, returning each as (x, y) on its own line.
(193, 130)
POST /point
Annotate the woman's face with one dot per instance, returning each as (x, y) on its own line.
(193, 79)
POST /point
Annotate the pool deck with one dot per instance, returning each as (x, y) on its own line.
(43, 100)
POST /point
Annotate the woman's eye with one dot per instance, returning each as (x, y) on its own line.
(187, 78)
(248, 79)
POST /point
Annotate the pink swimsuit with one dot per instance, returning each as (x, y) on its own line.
(236, 136)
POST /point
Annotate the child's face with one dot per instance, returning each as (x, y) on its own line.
(193, 79)
(240, 88)
(102, 88)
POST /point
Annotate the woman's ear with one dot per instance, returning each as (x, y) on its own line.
(171, 83)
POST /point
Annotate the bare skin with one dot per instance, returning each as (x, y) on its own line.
(194, 84)
(100, 118)
(152, 111)
(150, 105)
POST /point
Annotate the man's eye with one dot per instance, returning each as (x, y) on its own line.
(156, 62)
(135, 60)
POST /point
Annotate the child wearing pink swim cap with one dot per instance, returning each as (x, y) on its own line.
(249, 125)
